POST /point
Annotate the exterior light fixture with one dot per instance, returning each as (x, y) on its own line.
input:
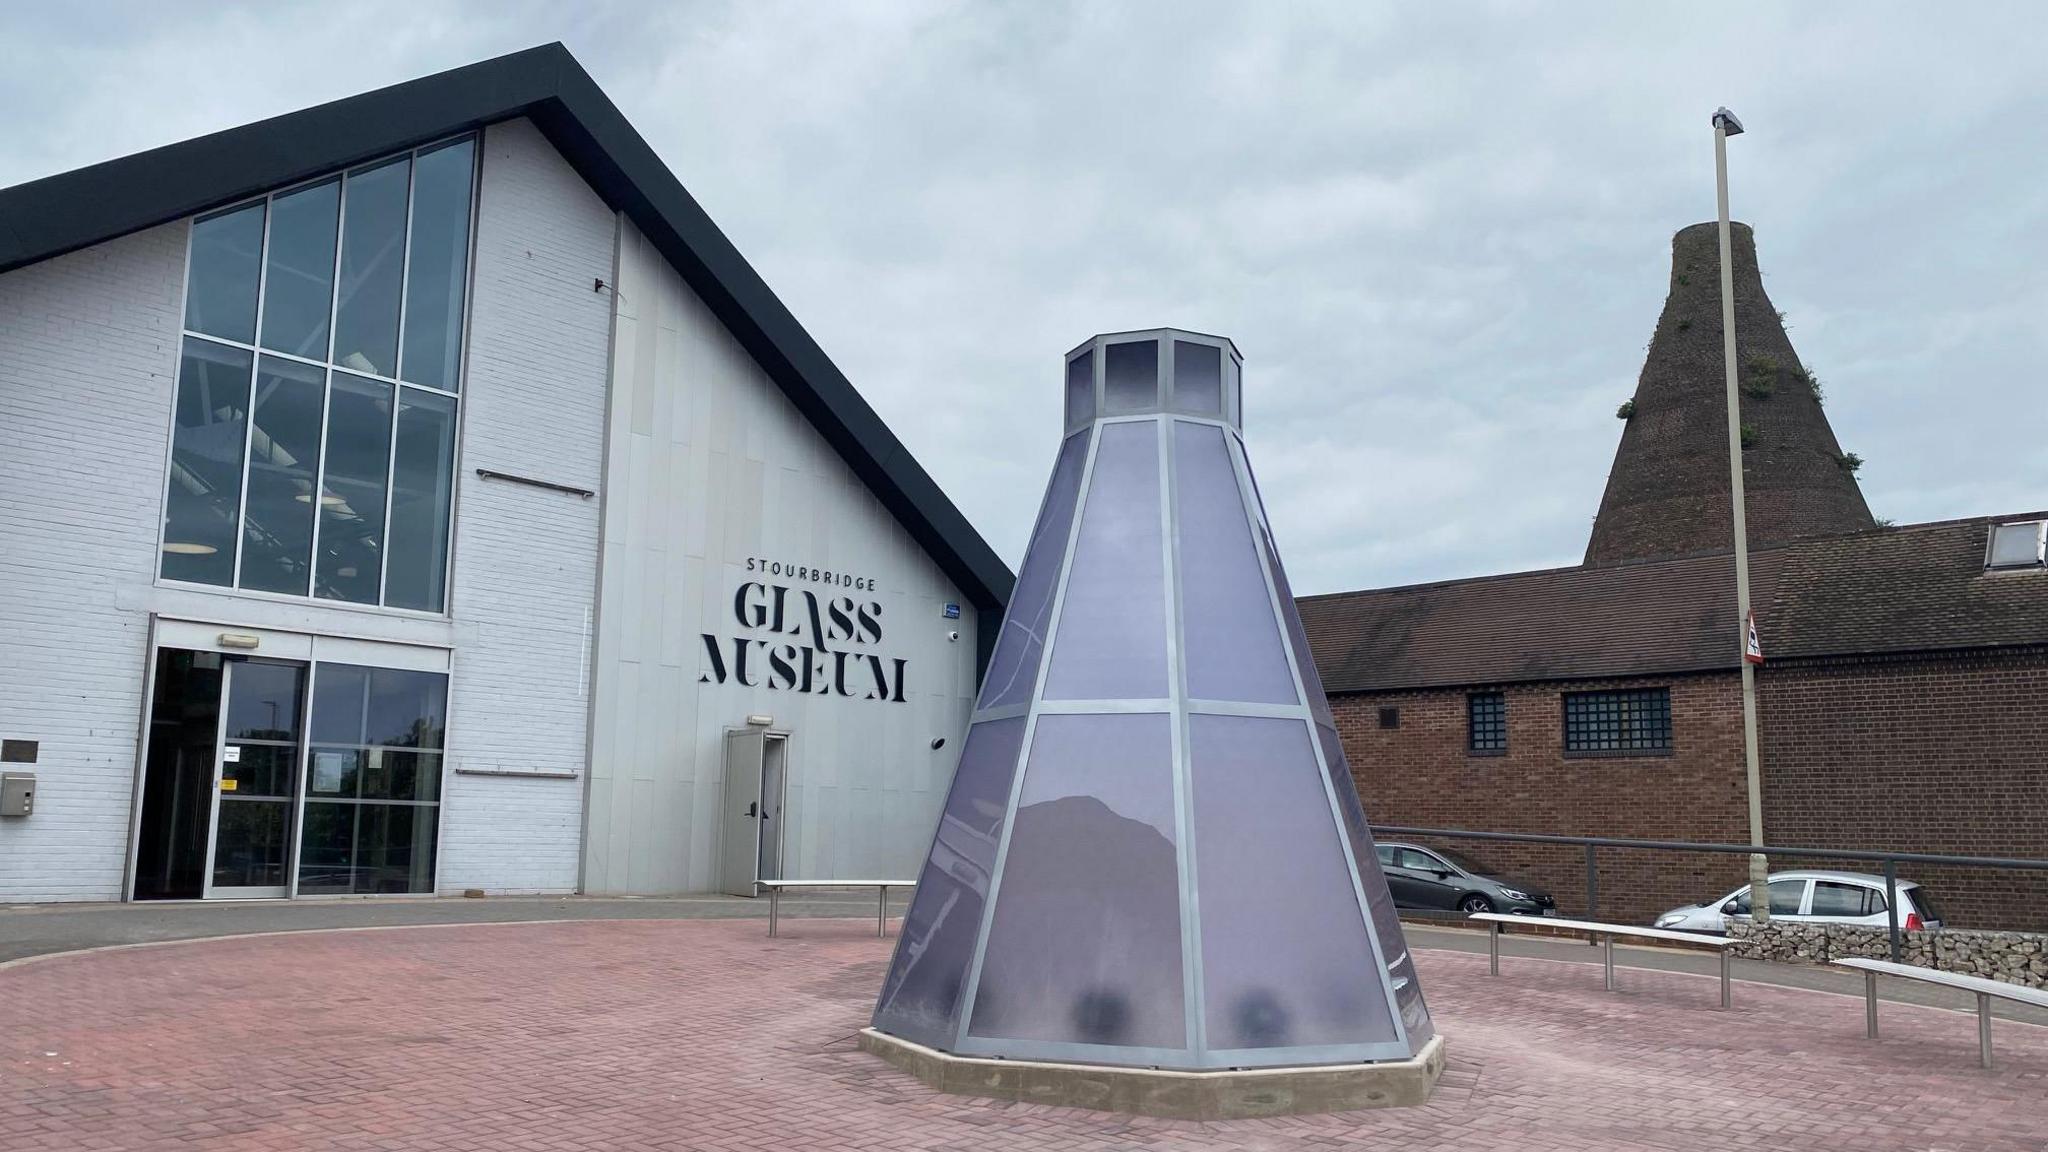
(760, 720)
(181, 548)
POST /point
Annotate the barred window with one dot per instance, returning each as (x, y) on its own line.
(1626, 723)
(1486, 723)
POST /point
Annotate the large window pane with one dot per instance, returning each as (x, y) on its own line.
(298, 285)
(374, 777)
(1013, 669)
(220, 289)
(284, 454)
(1379, 901)
(1285, 957)
(1198, 378)
(439, 264)
(372, 268)
(1081, 389)
(383, 707)
(1112, 630)
(422, 479)
(406, 709)
(920, 998)
(1084, 946)
(206, 463)
(1130, 377)
(1231, 641)
(327, 847)
(352, 495)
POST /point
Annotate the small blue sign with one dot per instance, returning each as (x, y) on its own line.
(952, 611)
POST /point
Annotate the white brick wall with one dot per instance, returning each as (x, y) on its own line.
(88, 362)
(525, 573)
(88, 357)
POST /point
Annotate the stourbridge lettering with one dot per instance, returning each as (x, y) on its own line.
(816, 644)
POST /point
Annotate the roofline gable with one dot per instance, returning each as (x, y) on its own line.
(72, 210)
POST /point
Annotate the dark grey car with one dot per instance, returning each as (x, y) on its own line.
(1447, 880)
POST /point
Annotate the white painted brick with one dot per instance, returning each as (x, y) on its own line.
(88, 357)
(525, 575)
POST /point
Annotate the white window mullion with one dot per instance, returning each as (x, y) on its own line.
(412, 171)
(327, 392)
(255, 373)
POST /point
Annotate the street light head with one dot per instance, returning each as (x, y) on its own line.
(1726, 122)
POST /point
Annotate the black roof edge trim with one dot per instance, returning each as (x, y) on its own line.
(91, 205)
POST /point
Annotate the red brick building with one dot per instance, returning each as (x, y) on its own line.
(1904, 705)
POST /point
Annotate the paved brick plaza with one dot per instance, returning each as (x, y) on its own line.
(706, 1035)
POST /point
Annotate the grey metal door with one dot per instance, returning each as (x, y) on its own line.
(774, 783)
(739, 853)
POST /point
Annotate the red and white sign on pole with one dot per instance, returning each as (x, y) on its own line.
(1752, 648)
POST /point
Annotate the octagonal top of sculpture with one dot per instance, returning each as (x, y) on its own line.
(1158, 370)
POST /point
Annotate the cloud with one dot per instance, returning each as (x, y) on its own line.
(1439, 233)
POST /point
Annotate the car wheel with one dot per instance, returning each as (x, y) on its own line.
(1475, 903)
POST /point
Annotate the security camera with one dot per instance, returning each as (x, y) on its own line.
(953, 636)
(938, 742)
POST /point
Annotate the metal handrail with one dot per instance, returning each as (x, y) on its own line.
(1592, 845)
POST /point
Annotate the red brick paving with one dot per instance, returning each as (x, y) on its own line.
(705, 1035)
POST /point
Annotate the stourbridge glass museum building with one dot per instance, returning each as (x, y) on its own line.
(418, 493)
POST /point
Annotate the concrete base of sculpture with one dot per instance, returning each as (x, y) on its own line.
(1174, 1095)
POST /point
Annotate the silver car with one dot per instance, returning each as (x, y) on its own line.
(1814, 897)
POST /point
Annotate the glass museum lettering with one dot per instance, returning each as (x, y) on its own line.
(818, 651)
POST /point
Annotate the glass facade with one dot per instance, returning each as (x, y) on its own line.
(1153, 853)
(313, 452)
(373, 780)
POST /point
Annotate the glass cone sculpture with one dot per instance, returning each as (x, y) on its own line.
(1152, 853)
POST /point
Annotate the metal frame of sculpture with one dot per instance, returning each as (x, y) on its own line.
(1152, 853)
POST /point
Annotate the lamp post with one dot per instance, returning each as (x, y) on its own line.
(1726, 125)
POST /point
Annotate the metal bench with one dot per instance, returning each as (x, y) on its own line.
(1495, 919)
(1985, 990)
(776, 887)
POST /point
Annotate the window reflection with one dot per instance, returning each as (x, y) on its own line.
(201, 506)
(352, 494)
(284, 456)
(299, 275)
(372, 266)
(220, 289)
(373, 783)
(399, 232)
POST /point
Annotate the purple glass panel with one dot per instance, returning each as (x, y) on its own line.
(1081, 389)
(1085, 943)
(1013, 669)
(1130, 377)
(1311, 680)
(1229, 637)
(1197, 378)
(920, 998)
(1386, 922)
(1285, 957)
(1112, 628)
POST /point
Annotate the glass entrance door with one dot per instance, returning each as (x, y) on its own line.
(256, 770)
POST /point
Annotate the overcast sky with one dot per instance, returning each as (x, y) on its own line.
(1440, 235)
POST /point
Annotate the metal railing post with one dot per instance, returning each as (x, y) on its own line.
(1984, 1029)
(774, 907)
(1726, 998)
(882, 912)
(1870, 1005)
(1610, 961)
(1891, 907)
(1493, 947)
(1592, 885)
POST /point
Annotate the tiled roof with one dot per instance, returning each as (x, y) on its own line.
(1920, 587)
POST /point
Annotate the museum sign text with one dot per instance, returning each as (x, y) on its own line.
(818, 643)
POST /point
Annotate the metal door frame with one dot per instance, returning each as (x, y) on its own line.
(284, 891)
